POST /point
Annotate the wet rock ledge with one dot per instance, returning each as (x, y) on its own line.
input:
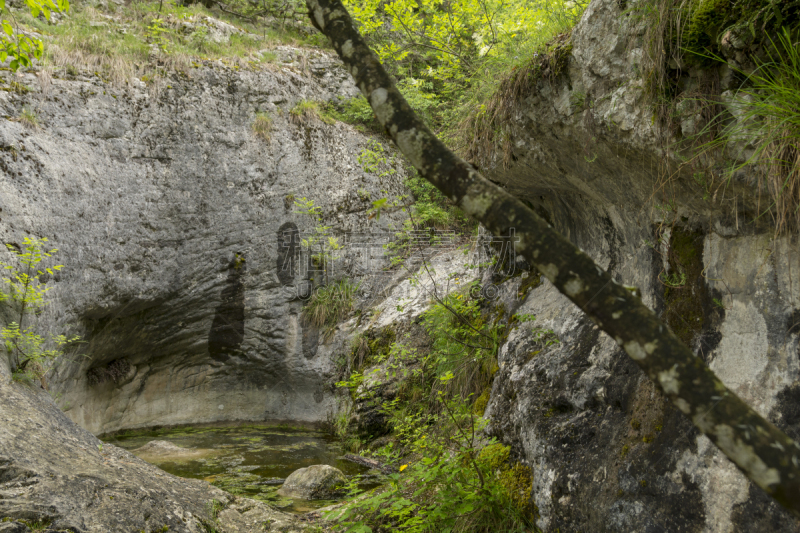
(56, 473)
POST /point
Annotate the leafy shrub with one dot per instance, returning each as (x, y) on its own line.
(18, 45)
(25, 282)
(358, 111)
(373, 160)
(464, 346)
(445, 487)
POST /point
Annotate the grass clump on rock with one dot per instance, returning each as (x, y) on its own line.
(262, 126)
(330, 303)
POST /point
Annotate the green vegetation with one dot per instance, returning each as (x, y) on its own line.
(17, 44)
(693, 32)
(373, 160)
(446, 480)
(758, 40)
(39, 525)
(428, 209)
(330, 304)
(152, 41)
(213, 508)
(768, 109)
(453, 59)
(321, 244)
(29, 118)
(442, 485)
(464, 349)
(24, 289)
(308, 110)
(483, 131)
(262, 126)
(358, 112)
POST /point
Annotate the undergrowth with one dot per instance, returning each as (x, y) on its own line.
(449, 478)
(429, 210)
(446, 486)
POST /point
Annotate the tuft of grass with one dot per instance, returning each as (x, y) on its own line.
(29, 118)
(306, 111)
(39, 525)
(330, 304)
(262, 126)
(771, 112)
(766, 113)
(269, 57)
(482, 130)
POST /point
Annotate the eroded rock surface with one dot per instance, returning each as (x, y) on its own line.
(608, 451)
(180, 240)
(53, 472)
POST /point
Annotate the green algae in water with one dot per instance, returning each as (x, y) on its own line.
(246, 460)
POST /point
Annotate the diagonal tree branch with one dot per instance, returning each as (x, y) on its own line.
(764, 453)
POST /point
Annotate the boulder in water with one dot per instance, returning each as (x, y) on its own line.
(316, 482)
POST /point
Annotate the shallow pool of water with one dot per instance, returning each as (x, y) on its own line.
(247, 460)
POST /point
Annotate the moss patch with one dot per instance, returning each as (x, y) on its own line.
(516, 479)
(479, 407)
(379, 344)
(684, 288)
(518, 483)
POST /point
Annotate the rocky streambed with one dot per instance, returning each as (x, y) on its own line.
(246, 460)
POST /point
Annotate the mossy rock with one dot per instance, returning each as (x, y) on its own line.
(684, 302)
(708, 21)
(479, 407)
(515, 479)
(316, 482)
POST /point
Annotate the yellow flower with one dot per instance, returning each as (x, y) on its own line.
(403, 467)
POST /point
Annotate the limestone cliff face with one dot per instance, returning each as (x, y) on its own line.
(174, 223)
(609, 453)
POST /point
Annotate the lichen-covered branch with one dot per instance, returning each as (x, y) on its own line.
(764, 453)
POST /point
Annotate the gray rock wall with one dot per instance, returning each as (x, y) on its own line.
(167, 212)
(608, 451)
